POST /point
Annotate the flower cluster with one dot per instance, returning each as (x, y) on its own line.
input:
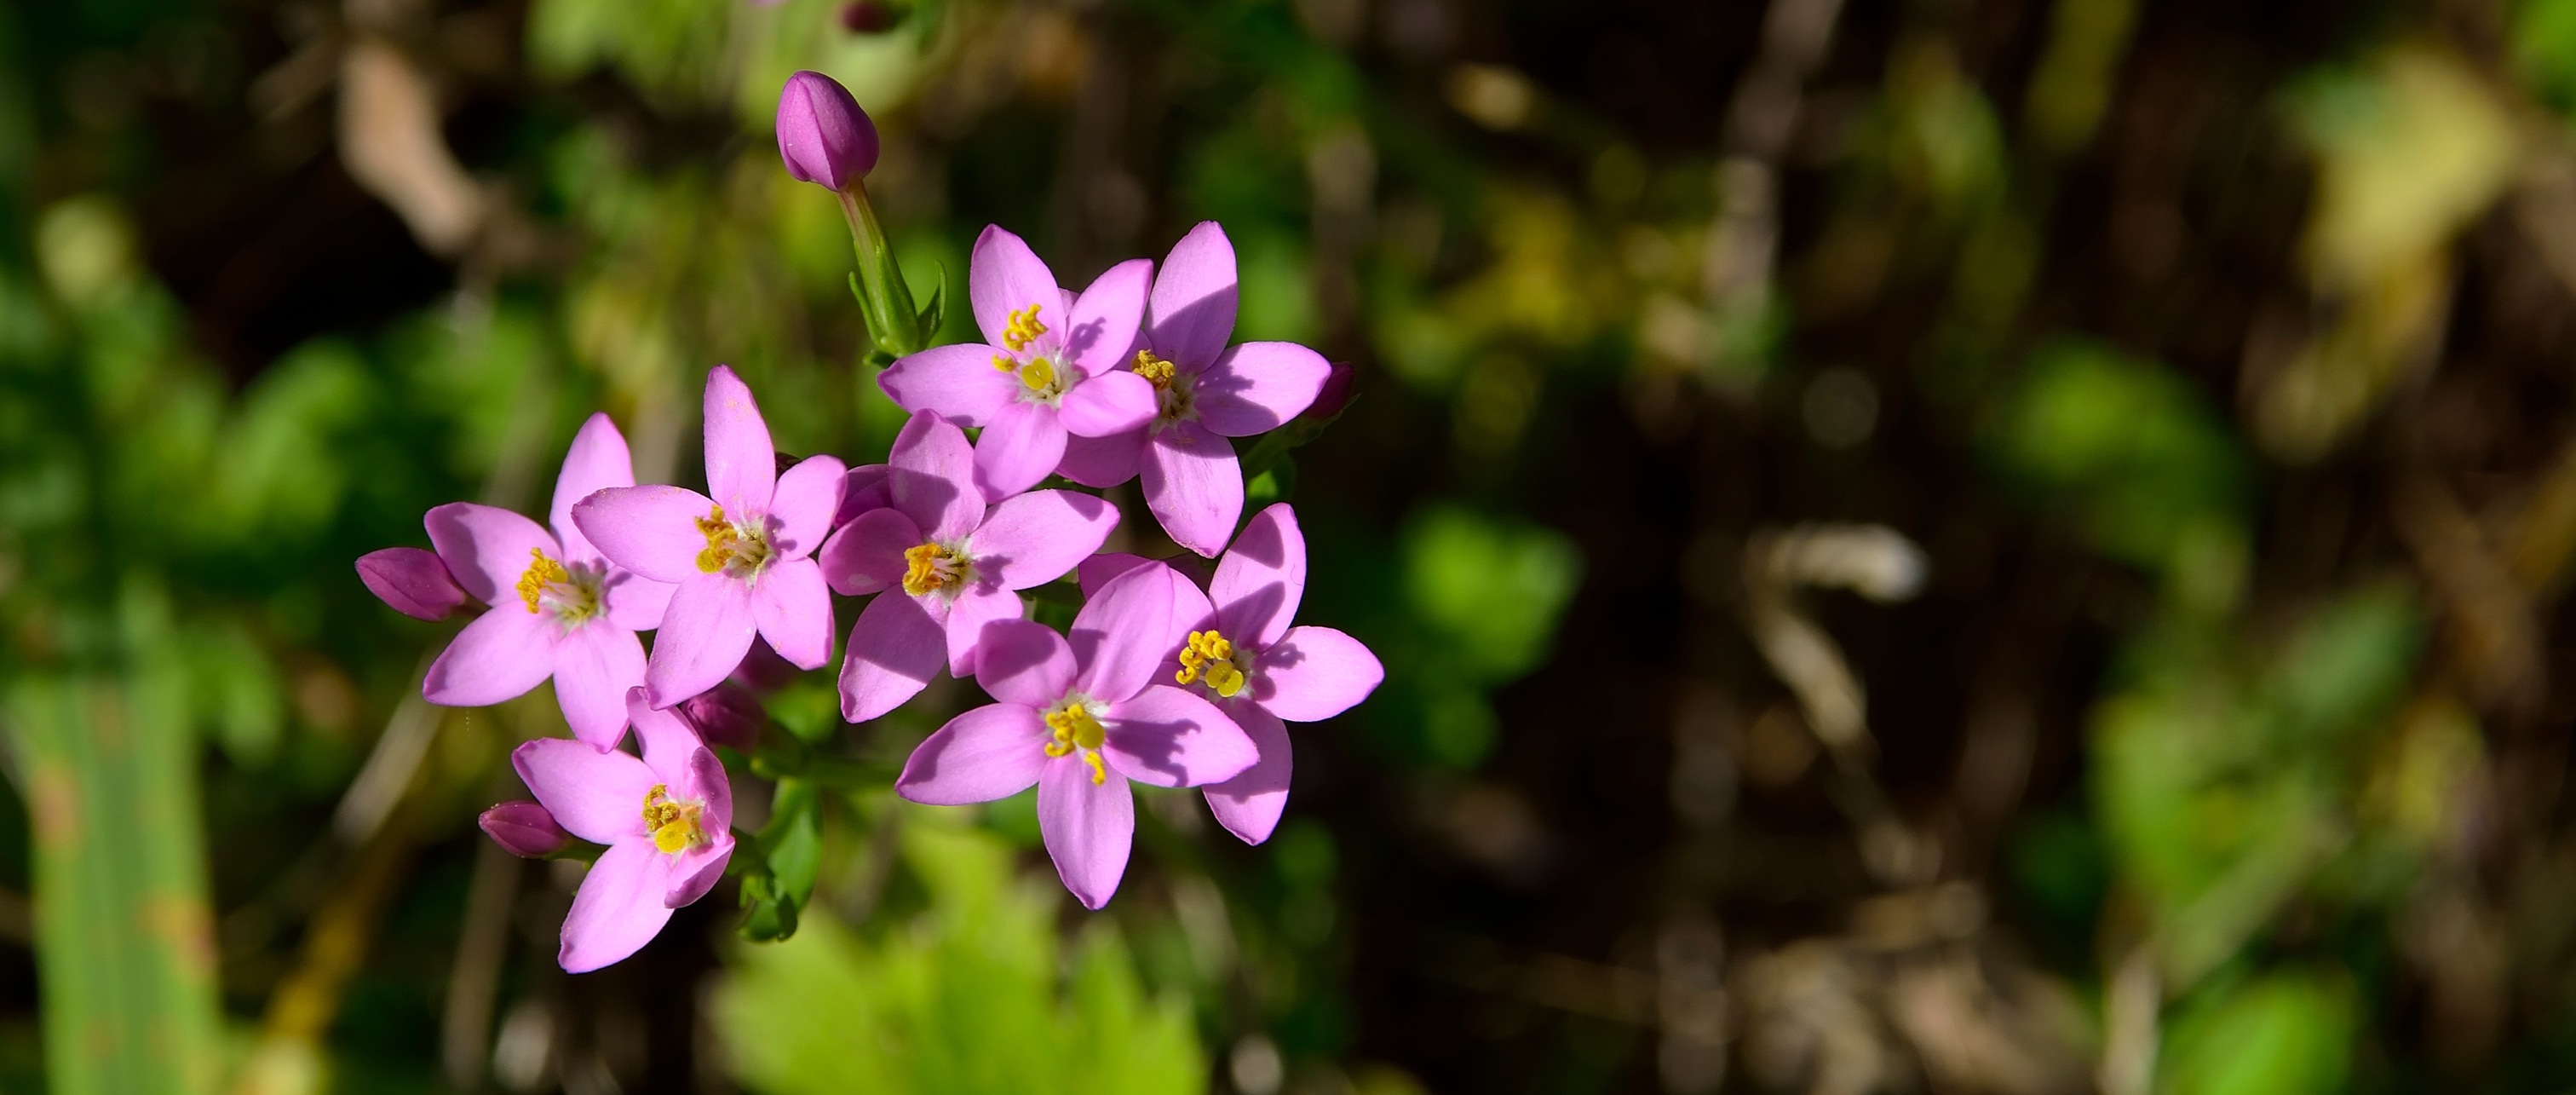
(1158, 680)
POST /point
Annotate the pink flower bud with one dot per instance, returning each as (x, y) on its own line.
(413, 581)
(525, 829)
(822, 134)
(869, 17)
(1339, 384)
(727, 714)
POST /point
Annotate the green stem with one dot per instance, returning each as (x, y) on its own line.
(894, 324)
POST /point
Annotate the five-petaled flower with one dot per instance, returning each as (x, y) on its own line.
(743, 560)
(667, 820)
(1241, 653)
(1079, 719)
(1048, 366)
(1205, 392)
(946, 564)
(559, 608)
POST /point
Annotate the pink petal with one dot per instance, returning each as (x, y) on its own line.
(1105, 317)
(1190, 313)
(486, 548)
(978, 606)
(594, 666)
(1249, 804)
(1193, 486)
(598, 461)
(895, 648)
(1004, 276)
(800, 510)
(651, 530)
(1168, 737)
(595, 794)
(742, 468)
(933, 478)
(412, 582)
(864, 490)
(1102, 461)
(1261, 578)
(794, 612)
(667, 740)
(501, 655)
(1108, 403)
(1023, 444)
(867, 554)
(704, 635)
(635, 602)
(1257, 386)
(958, 383)
(705, 780)
(1096, 571)
(618, 908)
(994, 751)
(1315, 673)
(1023, 662)
(698, 869)
(1038, 537)
(1088, 828)
(1123, 635)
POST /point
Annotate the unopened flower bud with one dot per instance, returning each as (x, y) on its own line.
(762, 670)
(413, 581)
(525, 829)
(870, 16)
(727, 714)
(822, 134)
(1339, 384)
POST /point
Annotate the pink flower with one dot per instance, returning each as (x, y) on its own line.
(947, 564)
(1204, 393)
(742, 560)
(1049, 368)
(667, 820)
(559, 609)
(1079, 720)
(1241, 654)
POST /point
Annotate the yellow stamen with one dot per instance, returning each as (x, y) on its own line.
(674, 825)
(729, 546)
(1210, 655)
(720, 541)
(1074, 728)
(931, 567)
(1024, 329)
(1037, 375)
(1154, 369)
(541, 570)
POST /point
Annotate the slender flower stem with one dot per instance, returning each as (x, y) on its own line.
(894, 323)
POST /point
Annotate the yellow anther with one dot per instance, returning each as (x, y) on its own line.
(1209, 655)
(674, 826)
(729, 546)
(540, 572)
(1003, 363)
(1155, 369)
(720, 541)
(1037, 375)
(1024, 329)
(1072, 728)
(931, 567)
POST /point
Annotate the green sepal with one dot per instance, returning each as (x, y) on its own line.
(936, 312)
(1275, 445)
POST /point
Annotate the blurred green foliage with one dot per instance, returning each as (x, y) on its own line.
(963, 997)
